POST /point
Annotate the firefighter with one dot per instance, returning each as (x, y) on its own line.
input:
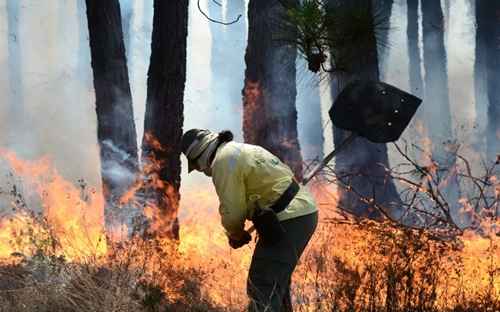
(253, 184)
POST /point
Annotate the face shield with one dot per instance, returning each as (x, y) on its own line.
(196, 152)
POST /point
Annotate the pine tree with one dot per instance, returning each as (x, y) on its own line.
(362, 166)
(115, 118)
(15, 66)
(269, 112)
(488, 67)
(165, 110)
(415, 61)
(436, 111)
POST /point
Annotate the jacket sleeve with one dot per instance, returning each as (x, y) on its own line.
(230, 186)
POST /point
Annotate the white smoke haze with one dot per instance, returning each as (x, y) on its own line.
(137, 17)
(396, 68)
(308, 96)
(4, 79)
(58, 105)
(468, 124)
(58, 117)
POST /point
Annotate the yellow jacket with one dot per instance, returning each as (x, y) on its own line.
(245, 175)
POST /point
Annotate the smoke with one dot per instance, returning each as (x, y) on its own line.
(58, 116)
(309, 121)
(467, 124)
(221, 102)
(137, 19)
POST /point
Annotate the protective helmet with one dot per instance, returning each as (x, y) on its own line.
(194, 142)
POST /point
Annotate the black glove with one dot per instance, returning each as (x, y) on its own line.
(237, 243)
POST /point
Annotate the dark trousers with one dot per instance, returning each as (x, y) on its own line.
(269, 278)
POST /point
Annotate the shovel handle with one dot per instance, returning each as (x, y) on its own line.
(322, 164)
(329, 157)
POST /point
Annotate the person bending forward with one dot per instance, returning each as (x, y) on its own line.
(253, 184)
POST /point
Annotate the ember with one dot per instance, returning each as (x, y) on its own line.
(97, 212)
(349, 263)
(71, 220)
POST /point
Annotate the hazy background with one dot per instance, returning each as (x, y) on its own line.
(46, 90)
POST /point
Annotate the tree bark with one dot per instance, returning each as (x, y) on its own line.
(164, 111)
(415, 133)
(228, 43)
(115, 118)
(447, 7)
(361, 167)
(309, 111)
(382, 14)
(218, 66)
(488, 68)
(83, 45)
(127, 12)
(480, 78)
(15, 67)
(235, 36)
(436, 111)
(269, 112)
(415, 60)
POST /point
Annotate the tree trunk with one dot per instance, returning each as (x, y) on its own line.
(15, 69)
(415, 61)
(447, 7)
(218, 66)
(362, 165)
(235, 37)
(488, 67)
(310, 121)
(382, 13)
(164, 111)
(127, 11)
(83, 46)
(228, 44)
(415, 133)
(480, 78)
(269, 113)
(309, 110)
(436, 110)
(115, 119)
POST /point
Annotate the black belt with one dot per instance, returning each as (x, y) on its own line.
(285, 198)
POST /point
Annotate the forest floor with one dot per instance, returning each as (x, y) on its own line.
(349, 266)
(61, 261)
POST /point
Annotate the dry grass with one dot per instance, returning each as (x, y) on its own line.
(130, 278)
(371, 266)
(350, 265)
(357, 266)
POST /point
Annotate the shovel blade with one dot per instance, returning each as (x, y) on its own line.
(374, 110)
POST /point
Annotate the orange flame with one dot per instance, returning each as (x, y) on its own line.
(75, 223)
(78, 226)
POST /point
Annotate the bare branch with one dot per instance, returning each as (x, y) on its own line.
(216, 21)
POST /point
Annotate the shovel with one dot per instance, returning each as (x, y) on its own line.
(373, 110)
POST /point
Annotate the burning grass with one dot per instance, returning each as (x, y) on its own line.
(350, 265)
(370, 266)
